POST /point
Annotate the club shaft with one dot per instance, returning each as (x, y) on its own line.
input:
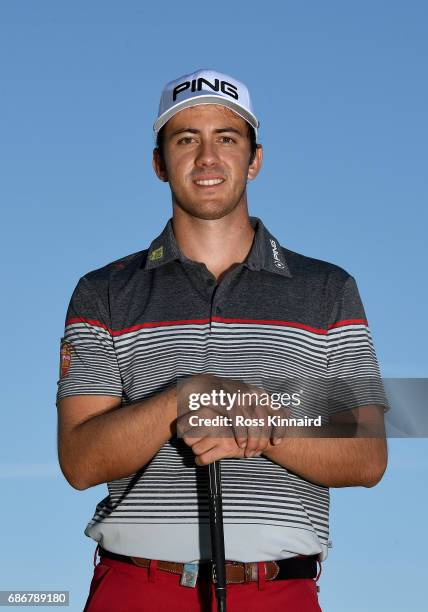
(217, 535)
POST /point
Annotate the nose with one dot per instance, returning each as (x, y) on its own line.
(207, 155)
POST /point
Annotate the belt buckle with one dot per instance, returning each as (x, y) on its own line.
(189, 575)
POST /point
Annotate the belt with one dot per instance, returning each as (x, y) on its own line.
(236, 572)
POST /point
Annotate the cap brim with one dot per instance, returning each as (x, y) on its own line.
(206, 99)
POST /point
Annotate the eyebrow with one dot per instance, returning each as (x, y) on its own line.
(218, 131)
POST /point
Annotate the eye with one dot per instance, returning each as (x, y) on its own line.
(227, 139)
(185, 140)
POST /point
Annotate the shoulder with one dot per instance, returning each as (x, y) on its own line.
(115, 274)
(316, 270)
(322, 281)
(117, 268)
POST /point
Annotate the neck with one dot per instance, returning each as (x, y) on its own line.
(218, 243)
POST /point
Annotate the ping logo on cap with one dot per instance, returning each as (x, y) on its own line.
(205, 87)
(196, 85)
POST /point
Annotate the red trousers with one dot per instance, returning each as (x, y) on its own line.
(120, 587)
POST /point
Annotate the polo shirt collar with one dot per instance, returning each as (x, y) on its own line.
(163, 249)
(265, 253)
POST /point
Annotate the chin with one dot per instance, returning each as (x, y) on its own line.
(207, 211)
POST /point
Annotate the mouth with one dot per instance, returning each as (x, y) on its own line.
(212, 182)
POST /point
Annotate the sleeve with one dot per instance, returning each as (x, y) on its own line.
(353, 376)
(88, 362)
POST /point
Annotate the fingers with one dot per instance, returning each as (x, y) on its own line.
(213, 449)
(276, 436)
(214, 454)
(256, 430)
(241, 441)
(201, 446)
(245, 430)
(253, 439)
(256, 444)
(192, 440)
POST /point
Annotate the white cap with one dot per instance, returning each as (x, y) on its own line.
(205, 87)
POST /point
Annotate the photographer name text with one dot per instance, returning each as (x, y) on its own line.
(241, 421)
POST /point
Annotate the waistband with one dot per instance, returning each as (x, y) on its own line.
(237, 572)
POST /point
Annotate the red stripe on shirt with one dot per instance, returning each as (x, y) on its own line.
(151, 324)
(271, 322)
(126, 330)
(348, 322)
(88, 321)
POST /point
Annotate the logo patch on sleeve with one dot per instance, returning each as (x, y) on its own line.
(65, 358)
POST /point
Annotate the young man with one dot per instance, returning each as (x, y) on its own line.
(215, 300)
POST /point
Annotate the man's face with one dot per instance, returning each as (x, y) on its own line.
(206, 160)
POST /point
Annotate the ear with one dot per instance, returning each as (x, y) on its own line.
(159, 167)
(254, 168)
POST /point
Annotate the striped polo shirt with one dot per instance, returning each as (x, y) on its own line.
(141, 323)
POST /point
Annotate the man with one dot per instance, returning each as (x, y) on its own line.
(214, 303)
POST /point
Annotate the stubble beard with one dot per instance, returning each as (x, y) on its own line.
(211, 210)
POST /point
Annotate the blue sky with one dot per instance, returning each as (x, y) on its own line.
(341, 92)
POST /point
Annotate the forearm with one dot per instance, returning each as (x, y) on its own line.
(332, 462)
(119, 442)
